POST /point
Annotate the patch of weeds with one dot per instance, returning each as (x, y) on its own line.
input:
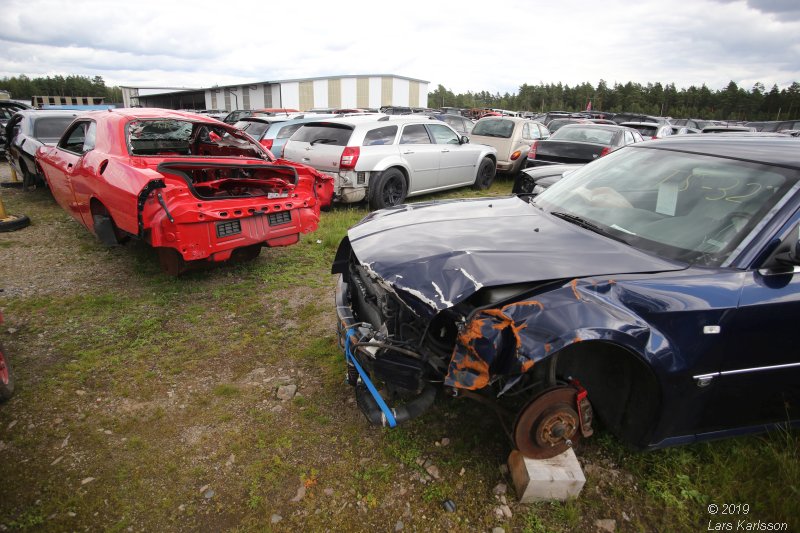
(226, 390)
(31, 517)
(434, 492)
(533, 523)
(382, 473)
(401, 445)
(300, 401)
(567, 513)
(135, 443)
(283, 443)
(254, 497)
(310, 412)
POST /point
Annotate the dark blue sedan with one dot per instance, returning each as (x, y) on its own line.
(654, 290)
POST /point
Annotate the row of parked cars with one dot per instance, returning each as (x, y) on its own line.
(384, 159)
(653, 290)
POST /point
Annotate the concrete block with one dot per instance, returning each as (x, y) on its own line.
(557, 478)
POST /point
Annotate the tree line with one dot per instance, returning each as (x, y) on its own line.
(731, 103)
(23, 88)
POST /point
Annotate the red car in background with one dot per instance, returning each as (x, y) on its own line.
(197, 190)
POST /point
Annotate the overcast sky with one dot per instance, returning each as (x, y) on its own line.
(467, 45)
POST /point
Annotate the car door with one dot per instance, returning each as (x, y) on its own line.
(458, 161)
(83, 178)
(15, 141)
(421, 155)
(759, 379)
(60, 165)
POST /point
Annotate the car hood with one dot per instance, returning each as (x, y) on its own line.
(443, 252)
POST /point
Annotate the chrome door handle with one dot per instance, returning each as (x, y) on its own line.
(408, 152)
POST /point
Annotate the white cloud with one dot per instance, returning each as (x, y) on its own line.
(463, 47)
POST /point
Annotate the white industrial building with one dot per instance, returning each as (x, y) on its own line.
(356, 91)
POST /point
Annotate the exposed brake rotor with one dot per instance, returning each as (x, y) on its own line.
(548, 424)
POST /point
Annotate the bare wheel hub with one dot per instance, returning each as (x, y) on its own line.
(549, 424)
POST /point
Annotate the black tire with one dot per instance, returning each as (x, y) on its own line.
(171, 261)
(388, 189)
(14, 223)
(28, 179)
(485, 176)
(246, 253)
(6, 377)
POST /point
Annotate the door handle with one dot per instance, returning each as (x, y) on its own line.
(445, 150)
(408, 152)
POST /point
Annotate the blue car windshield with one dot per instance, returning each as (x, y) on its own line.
(686, 207)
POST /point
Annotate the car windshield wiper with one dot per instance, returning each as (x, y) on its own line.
(582, 222)
(322, 140)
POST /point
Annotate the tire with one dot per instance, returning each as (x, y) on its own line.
(6, 377)
(246, 253)
(28, 179)
(14, 223)
(171, 261)
(388, 189)
(485, 176)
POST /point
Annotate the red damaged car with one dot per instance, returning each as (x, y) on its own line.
(197, 190)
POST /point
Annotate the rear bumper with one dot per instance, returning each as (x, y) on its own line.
(212, 230)
(349, 188)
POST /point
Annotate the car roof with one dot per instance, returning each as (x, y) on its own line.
(41, 113)
(356, 120)
(645, 124)
(773, 150)
(506, 117)
(593, 125)
(152, 112)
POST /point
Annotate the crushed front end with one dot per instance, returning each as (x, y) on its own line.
(387, 341)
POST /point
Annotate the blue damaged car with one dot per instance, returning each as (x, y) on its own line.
(654, 291)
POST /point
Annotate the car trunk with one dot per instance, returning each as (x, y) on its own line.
(319, 144)
(215, 181)
(502, 145)
(567, 151)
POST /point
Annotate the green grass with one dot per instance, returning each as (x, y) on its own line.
(158, 386)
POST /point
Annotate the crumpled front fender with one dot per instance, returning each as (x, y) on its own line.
(509, 340)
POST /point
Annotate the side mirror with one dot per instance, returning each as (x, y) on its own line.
(464, 139)
(787, 256)
(794, 252)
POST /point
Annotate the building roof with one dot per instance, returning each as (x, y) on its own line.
(168, 90)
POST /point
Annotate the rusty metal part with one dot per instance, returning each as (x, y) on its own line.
(549, 424)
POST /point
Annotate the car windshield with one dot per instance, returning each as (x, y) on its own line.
(691, 208)
(494, 128)
(587, 134)
(254, 128)
(644, 129)
(334, 134)
(49, 128)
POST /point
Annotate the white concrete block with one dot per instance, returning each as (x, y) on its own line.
(558, 478)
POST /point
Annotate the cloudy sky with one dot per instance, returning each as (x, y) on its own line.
(466, 45)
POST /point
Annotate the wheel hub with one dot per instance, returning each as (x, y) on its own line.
(549, 424)
(3, 369)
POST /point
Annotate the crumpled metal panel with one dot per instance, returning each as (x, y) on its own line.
(509, 340)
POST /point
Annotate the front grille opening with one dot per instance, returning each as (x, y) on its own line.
(226, 229)
(276, 219)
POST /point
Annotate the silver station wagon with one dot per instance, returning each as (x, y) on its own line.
(386, 159)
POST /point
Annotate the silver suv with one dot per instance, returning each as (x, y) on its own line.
(386, 159)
